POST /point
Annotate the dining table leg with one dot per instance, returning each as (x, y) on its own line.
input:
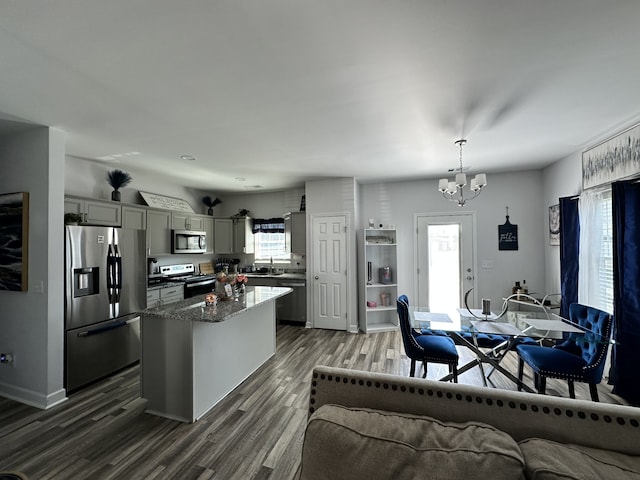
(482, 357)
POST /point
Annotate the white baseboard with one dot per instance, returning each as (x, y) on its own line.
(32, 398)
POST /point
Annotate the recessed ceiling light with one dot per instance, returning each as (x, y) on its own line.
(116, 156)
(189, 158)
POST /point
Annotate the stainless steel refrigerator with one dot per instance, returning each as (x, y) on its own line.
(105, 289)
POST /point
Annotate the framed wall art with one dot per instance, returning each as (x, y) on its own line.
(554, 225)
(14, 241)
(613, 159)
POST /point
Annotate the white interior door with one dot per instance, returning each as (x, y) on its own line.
(445, 260)
(329, 274)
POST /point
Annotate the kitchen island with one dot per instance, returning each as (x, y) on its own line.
(193, 355)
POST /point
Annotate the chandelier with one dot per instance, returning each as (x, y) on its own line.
(454, 190)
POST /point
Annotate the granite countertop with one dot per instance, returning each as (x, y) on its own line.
(193, 309)
(159, 286)
(284, 276)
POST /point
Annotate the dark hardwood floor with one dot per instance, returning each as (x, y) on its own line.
(256, 432)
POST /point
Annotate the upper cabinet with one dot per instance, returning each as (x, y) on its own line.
(242, 235)
(134, 217)
(208, 227)
(295, 231)
(223, 235)
(187, 221)
(95, 212)
(158, 232)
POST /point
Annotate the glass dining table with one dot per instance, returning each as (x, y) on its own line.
(465, 327)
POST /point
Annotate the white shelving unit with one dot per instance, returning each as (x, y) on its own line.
(378, 250)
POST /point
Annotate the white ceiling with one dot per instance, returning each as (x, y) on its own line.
(279, 91)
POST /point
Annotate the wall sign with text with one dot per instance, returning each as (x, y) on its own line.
(507, 236)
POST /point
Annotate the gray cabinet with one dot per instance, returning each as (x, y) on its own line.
(187, 221)
(94, 212)
(223, 235)
(164, 296)
(243, 235)
(134, 217)
(208, 227)
(158, 232)
(295, 232)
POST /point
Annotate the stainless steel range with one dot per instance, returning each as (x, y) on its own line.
(194, 284)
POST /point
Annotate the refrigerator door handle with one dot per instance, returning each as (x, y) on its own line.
(104, 328)
(117, 269)
(111, 280)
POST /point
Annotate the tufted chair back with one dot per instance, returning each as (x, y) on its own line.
(411, 347)
(598, 326)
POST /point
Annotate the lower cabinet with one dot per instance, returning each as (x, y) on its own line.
(164, 296)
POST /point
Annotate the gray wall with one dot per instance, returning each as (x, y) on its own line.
(31, 325)
(397, 203)
(562, 179)
(88, 179)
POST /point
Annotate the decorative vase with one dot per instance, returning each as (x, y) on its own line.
(210, 211)
(115, 196)
(238, 289)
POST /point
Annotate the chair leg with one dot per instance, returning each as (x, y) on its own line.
(572, 390)
(593, 388)
(520, 373)
(454, 372)
(424, 365)
(542, 384)
(412, 370)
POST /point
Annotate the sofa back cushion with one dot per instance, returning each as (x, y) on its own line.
(364, 444)
(547, 460)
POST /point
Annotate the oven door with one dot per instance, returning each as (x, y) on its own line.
(192, 289)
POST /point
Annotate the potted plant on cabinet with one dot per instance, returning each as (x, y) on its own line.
(117, 179)
(72, 219)
(209, 202)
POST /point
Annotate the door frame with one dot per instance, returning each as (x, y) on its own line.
(311, 300)
(474, 248)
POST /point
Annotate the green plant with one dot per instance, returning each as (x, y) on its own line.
(72, 218)
(118, 178)
(243, 212)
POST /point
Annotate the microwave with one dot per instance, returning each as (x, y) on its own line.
(188, 241)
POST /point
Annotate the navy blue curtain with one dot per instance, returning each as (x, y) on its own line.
(569, 250)
(268, 225)
(626, 291)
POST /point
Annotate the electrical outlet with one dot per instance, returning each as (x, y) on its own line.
(8, 358)
(487, 264)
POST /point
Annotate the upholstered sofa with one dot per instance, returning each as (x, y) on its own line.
(366, 425)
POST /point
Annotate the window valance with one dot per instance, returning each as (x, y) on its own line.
(268, 225)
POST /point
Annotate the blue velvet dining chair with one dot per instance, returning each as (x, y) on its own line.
(425, 348)
(580, 358)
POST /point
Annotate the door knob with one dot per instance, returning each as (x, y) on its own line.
(469, 277)
(316, 277)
